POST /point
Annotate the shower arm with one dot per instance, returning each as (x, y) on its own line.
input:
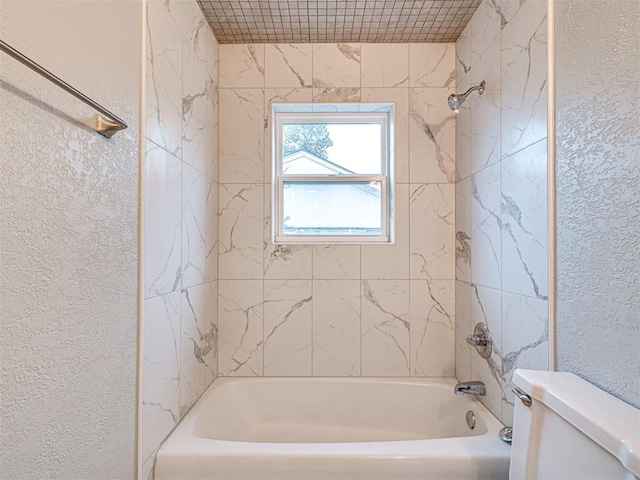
(480, 87)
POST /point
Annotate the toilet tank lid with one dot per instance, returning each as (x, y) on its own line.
(608, 421)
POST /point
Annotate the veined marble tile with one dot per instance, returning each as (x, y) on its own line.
(287, 328)
(278, 95)
(524, 78)
(525, 342)
(336, 65)
(241, 135)
(463, 133)
(336, 95)
(212, 129)
(510, 7)
(336, 328)
(160, 370)
(432, 65)
(240, 327)
(210, 337)
(213, 55)
(400, 97)
(283, 261)
(463, 329)
(486, 262)
(432, 136)
(195, 188)
(241, 66)
(485, 27)
(195, 102)
(385, 64)
(241, 232)
(432, 328)
(390, 261)
(463, 52)
(525, 256)
(194, 28)
(212, 232)
(163, 109)
(196, 337)
(336, 262)
(162, 222)
(486, 308)
(288, 65)
(432, 231)
(463, 230)
(385, 328)
(148, 467)
(485, 109)
(174, 7)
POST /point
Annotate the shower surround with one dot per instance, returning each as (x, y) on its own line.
(338, 310)
(180, 225)
(501, 196)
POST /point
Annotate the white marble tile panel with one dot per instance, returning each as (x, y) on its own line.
(485, 26)
(212, 130)
(161, 370)
(163, 102)
(390, 261)
(283, 261)
(485, 109)
(336, 95)
(336, 65)
(524, 222)
(195, 188)
(288, 65)
(432, 231)
(195, 29)
(162, 222)
(525, 342)
(213, 55)
(210, 336)
(463, 53)
(486, 308)
(195, 102)
(432, 136)
(241, 135)
(336, 328)
(432, 328)
(463, 329)
(242, 66)
(195, 340)
(524, 78)
(287, 328)
(400, 98)
(385, 65)
(385, 328)
(336, 262)
(463, 230)
(212, 232)
(486, 261)
(463, 133)
(241, 231)
(240, 328)
(432, 65)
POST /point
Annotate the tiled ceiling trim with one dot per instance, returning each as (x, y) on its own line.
(330, 21)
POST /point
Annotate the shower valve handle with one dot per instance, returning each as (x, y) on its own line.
(478, 340)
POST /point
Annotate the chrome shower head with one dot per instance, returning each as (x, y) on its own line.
(455, 100)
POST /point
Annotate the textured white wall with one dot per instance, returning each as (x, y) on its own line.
(598, 193)
(68, 243)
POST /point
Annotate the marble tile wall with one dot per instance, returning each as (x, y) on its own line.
(501, 196)
(180, 218)
(338, 310)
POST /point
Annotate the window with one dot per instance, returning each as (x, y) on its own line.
(332, 173)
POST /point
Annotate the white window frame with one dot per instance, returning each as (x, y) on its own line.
(382, 114)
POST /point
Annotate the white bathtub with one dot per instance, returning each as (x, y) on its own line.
(333, 429)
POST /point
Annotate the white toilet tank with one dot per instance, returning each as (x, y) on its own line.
(572, 430)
